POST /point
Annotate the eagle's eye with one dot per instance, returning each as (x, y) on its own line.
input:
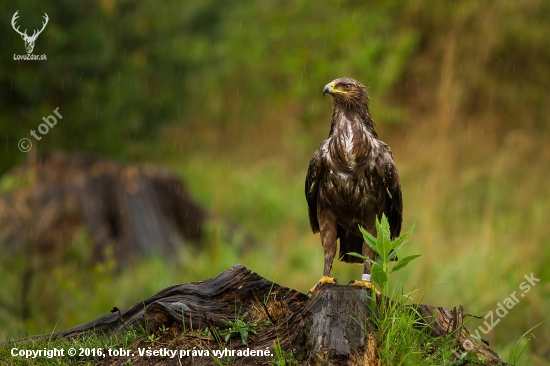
(344, 87)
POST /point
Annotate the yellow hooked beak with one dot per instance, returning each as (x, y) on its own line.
(329, 88)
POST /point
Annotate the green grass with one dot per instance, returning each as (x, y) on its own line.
(267, 200)
(282, 357)
(97, 344)
(402, 342)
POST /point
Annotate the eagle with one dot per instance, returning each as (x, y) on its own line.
(351, 180)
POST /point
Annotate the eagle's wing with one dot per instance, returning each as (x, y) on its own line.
(315, 172)
(392, 185)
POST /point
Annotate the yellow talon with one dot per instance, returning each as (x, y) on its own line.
(364, 284)
(323, 281)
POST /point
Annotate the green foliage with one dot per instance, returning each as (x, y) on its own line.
(152, 339)
(386, 251)
(119, 71)
(108, 70)
(402, 341)
(239, 327)
(282, 357)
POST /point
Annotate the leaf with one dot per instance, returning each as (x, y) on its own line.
(403, 262)
(386, 237)
(368, 238)
(393, 254)
(383, 239)
(377, 261)
(244, 336)
(353, 254)
(378, 275)
(379, 240)
(397, 243)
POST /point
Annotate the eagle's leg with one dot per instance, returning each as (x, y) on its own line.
(328, 229)
(369, 253)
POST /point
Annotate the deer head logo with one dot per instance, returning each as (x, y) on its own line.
(29, 40)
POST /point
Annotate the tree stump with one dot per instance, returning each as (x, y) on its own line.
(134, 210)
(334, 324)
(332, 327)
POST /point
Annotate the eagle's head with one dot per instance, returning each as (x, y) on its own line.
(347, 93)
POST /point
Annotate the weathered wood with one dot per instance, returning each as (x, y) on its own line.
(336, 326)
(333, 327)
(443, 321)
(197, 305)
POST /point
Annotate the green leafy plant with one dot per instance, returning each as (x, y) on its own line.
(403, 340)
(387, 251)
(152, 339)
(240, 327)
(164, 329)
(282, 357)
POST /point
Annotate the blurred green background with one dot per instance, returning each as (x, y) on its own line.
(228, 95)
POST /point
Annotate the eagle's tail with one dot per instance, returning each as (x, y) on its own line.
(349, 242)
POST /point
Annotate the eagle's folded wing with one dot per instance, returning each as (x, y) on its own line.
(314, 173)
(388, 172)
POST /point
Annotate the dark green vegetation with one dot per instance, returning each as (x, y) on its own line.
(240, 328)
(228, 95)
(387, 251)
